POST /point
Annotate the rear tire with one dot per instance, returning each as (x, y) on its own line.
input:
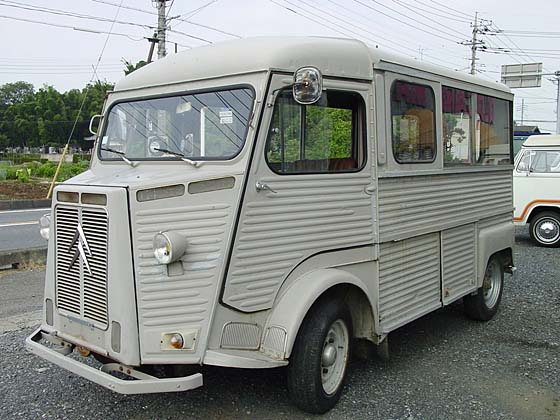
(320, 357)
(545, 229)
(484, 305)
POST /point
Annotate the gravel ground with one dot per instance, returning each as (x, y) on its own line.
(442, 366)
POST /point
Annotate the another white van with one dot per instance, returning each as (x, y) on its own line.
(536, 189)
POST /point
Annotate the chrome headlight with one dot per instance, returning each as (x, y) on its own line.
(169, 247)
(45, 225)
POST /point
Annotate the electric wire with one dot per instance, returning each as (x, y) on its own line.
(57, 25)
(444, 13)
(437, 35)
(26, 6)
(94, 72)
(346, 32)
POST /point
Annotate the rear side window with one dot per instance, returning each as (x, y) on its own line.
(413, 122)
(493, 131)
(321, 138)
(457, 133)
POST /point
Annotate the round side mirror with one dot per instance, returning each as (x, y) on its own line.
(308, 85)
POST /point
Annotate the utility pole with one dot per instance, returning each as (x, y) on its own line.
(162, 21)
(480, 26)
(474, 44)
(522, 109)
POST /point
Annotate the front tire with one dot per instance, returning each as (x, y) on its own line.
(484, 305)
(320, 357)
(545, 229)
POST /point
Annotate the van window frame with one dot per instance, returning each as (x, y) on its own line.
(359, 129)
(434, 120)
(166, 159)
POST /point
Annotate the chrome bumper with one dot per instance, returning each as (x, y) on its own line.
(140, 383)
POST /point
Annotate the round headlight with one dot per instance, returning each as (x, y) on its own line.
(169, 247)
(45, 226)
(162, 248)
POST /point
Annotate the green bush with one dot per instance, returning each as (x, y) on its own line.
(46, 170)
(11, 172)
(23, 174)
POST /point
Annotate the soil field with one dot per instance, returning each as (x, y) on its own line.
(15, 190)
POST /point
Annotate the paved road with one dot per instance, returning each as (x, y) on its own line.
(442, 366)
(19, 229)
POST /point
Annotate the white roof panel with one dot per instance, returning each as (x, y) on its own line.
(333, 56)
(551, 141)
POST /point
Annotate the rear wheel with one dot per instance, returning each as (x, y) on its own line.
(484, 305)
(320, 357)
(545, 229)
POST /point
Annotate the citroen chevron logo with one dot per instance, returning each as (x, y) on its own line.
(82, 248)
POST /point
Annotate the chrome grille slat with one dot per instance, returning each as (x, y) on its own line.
(79, 292)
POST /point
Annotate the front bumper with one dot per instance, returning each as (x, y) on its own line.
(136, 383)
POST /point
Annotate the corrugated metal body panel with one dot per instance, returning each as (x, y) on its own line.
(410, 206)
(182, 301)
(307, 214)
(409, 280)
(495, 220)
(458, 261)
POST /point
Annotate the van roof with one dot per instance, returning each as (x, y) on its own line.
(348, 58)
(535, 141)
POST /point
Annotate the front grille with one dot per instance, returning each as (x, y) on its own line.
(81, 283)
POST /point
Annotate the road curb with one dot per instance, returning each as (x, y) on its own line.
(25, 204)
(22, 257)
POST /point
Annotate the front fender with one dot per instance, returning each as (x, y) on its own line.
(289, 311)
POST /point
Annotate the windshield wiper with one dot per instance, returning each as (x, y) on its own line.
(122, 155)
(179, 155)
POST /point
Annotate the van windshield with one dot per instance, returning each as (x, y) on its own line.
(208, 125)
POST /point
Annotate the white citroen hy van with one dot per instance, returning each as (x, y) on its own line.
(536, 189)
(268, 202)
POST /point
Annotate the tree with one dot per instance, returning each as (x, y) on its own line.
(15, 93)
(130, 67)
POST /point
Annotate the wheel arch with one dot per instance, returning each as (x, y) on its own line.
(495, 240)
(309, 290)
(534, 212)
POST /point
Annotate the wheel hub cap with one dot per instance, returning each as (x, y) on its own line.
(548, 230)
(329, 355)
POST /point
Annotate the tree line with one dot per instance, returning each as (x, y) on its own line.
(44, 117)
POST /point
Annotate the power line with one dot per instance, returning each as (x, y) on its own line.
(416, 11)
(443, 12)
(26, 6)
(415, 8)
(450, 8)
(93, 31)
(439, 36)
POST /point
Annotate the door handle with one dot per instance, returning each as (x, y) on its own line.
(261, 186)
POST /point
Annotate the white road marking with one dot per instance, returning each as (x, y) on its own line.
(18, 224)
(24, 210)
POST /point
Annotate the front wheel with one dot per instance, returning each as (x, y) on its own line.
(320, 357)
(545, 229)
(484, 304)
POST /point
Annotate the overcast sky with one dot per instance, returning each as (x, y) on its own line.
(427, 30)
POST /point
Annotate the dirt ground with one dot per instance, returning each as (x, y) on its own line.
(15, 190)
